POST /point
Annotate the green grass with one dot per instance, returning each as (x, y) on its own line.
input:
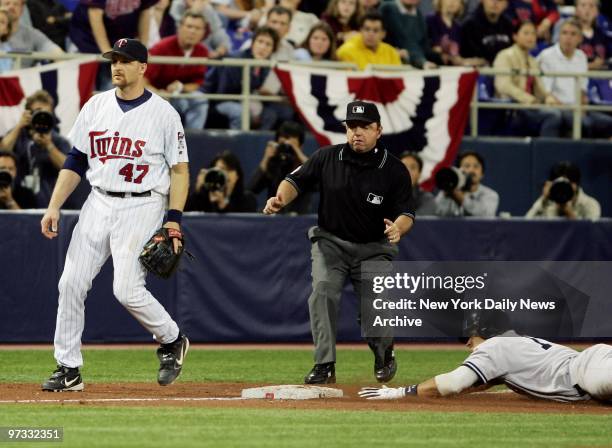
(106, 426)
(254, 366)
(187, 427)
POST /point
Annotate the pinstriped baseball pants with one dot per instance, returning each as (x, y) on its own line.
(109, 226)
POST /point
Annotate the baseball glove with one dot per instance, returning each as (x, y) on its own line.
(158, 255)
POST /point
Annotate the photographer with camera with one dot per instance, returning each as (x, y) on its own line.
(39, 150)
(220, 188)
(461, 193)
(563, 197)
(12, 197)
(281, 157)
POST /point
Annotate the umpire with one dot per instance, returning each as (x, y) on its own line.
(363, 188)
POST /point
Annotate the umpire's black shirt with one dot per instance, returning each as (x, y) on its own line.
(357, 190)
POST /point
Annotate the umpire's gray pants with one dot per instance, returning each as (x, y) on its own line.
(333, 260)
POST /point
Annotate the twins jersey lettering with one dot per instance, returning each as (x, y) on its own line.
(129, 151)
(527, 365)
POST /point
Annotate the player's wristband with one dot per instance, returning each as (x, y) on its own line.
(174, 216)
(411, 390)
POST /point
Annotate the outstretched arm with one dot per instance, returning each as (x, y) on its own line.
(459, 380)
(285, 194)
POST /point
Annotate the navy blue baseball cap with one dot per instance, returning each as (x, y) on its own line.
(131, 49)
(362, 111)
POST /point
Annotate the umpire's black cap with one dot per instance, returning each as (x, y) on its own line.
(131, 49)
(362, 111)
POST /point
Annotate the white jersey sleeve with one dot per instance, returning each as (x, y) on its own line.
(526, 365)
(176, 147)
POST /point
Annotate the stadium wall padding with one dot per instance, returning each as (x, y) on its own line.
(250, 280)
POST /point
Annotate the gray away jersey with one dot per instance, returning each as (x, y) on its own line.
(526, 365)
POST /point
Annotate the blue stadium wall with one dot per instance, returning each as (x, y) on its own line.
(251, 277)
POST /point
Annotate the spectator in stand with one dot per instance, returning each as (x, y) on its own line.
(216, 38)
(301, 22)
(6, 64)
(97, 24)
(161, 23)
(225, 79)
(13, 196)
(543, 13)
(479, 200)
(445, 31)
(279, 19)
(40, 153)
(213, 195)
(320, 45)
(565, 56)
(594, 42)
(424, 203)
(282, 156)
(52, 18)
(526, 89)
(170, 79)
(25, 38)
(554, 203)
(486, 32)
(407, 31)
(368, 47)
(343, 18)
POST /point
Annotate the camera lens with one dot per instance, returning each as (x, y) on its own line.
(561, 191)
(42, 121)
(5, 179)
(447, 179)
(215, 180)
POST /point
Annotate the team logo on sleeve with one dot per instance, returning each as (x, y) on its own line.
(181, 142)
(374, 199)
(114, 147)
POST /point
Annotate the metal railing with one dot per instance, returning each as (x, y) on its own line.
(246, 96)
(577, 108)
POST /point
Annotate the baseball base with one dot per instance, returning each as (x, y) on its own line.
(291, 392)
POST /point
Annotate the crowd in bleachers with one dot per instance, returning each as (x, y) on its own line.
(421, 33)
(552, 35)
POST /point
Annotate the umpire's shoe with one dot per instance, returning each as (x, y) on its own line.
(384, 370)
(64, 379)
(321, 374)
(171, 357)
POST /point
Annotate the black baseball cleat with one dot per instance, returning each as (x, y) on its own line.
(64, 379)
(384, 371)
(171, 357)
(321, 374)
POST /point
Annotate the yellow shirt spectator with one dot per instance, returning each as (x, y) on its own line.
(354, 50)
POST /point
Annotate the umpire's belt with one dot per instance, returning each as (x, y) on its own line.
(124, 194)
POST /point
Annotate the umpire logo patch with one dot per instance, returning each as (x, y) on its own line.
(374, 199)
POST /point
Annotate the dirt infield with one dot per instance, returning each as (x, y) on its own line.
(214, 395)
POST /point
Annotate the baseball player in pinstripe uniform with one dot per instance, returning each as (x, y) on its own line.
(527, 365)
(131, 145)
